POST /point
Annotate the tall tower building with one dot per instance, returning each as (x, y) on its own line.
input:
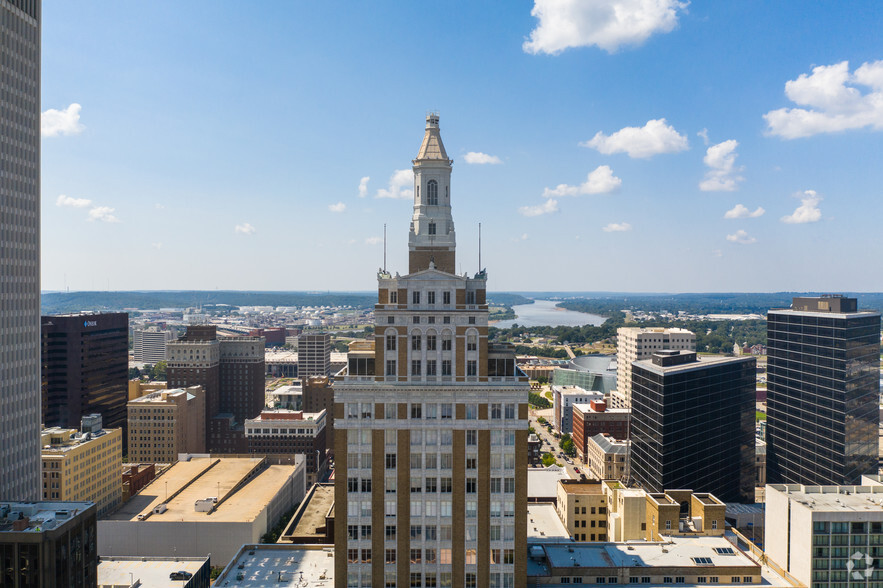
(693, 424)
(313, 355)
(823, 388)
(431, 443)
(85, 363)
(20, 250)
(149, 345)
(637, 343)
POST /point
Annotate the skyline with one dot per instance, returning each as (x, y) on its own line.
(174, 159)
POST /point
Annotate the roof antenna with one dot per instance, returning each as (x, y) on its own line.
(384, 247)
(479, 247)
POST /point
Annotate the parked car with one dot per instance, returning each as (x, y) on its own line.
(180, 575)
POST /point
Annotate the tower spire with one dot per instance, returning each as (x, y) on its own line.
(432, 238)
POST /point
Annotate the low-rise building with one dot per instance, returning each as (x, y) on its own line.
(48, 543)
(563, 399)
(135, 477)
(281, 431)
(605, 457)
(154, 572)
(164, 423)
(542, 483)
(534, 450)
(826, 536)
(280, 565)
(582, 507)
(313, 521)
(596, 418)
(204, 505)
(83, 466)
(626, 511)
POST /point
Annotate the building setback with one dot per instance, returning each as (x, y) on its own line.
(693, 424)
(823, 392)
(86, 369)
(20, 251)
(431, 424)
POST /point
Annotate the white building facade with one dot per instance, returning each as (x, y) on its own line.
(149, 345)
(636, 343)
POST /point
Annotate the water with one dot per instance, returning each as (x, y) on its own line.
(544, 313)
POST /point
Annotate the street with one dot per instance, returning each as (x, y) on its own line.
(550, 444)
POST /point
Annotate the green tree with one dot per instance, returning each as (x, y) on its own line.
(567, 446)
(548, 459)
(158, 372)
(538, 401)
(134, 373)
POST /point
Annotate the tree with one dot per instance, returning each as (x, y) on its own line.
(548, 459)
(567, 446)
(538, 401)
(158, 372)
(134, 373)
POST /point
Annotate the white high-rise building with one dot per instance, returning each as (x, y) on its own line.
(637, 343)
(20, 398)
(313, 355)
(431, 420)
(149, 345)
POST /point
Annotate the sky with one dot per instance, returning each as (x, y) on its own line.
(603, 145)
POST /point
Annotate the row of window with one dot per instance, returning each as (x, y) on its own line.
(430, 461)
(425, 411)
(433, 580)
(430, 320)
(435, 532)
(433, 484)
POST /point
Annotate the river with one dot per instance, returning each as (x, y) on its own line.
(544, 313)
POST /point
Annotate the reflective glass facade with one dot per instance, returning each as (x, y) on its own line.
(693, 427)
(823, 391)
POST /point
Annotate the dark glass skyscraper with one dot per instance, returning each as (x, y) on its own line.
(693, 424)
(823, 392)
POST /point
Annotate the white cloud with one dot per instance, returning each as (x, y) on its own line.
(72, 202)
(741, 237)
(704, 134)
(617, 228)
(722, 175)
(339, 207)
(523, 237)
(551, 205)
(480, 158)
(400, 185)
(363, 186)
(808, 211)
(244, 229)
(600, 181)
(103, 214)
(740, 211)
(653, 138)
(832, 100)
(61, 122)
(607, 24)
(156, 245)
(373, 240)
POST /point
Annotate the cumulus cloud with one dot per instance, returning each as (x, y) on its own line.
(808, 211)
(363, 186)
(551, 205)
(653, 138)
(617, 228)
(741, 237)
(72, 202)
(704, 134)
(832, 101)
(607, 24)
(600, 181)
(373, 240)
(103, 214)
(477, 157)
(339, 207)
(740, 211)
(400, 185)
(244, 229)
(61, 122)
(722, 174)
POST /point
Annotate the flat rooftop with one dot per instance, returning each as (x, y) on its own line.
(43, 516)
(703, 361)
(312, 513)
(280, 565)
(240, 499)
(543, 524)
(834, 498)
(543, 482)
(151, 572)
(582, 487)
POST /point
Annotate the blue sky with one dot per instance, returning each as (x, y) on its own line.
(215, 144)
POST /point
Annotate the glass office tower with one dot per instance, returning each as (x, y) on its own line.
(823, 392)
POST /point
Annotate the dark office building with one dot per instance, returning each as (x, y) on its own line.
(85, 369)
(48, 544)
(823, 388)
(693, 424)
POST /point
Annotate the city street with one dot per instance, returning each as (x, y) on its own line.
(550, 444)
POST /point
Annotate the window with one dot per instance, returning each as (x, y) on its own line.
(470, 297)
(496, 411)
(390, 461)
(471, 412)
(415, 297)
(446, 320)
(416, 410)
(471, 320)
(415, 367)
(430, 296)
(417, 532)
(447, 411)
(391, 320)
(679, 579)
(415, 342)
(471, 485)
(666, 580)
(446, 343)
(701, 560)
(390, 536)
(431, 485)
(471, 463)
(390, 342)
(446, 485)
(366, 485)
(390, 367)
(471, 368)
(431, 414)
(366, 556)
(724, 551)
(432, 229)
(735, 579)
(431, 342)
(393, 297)
(713, 580)
(472, 437)
(510, 411)
(430, 367)
(390, 410)
(390, 556)
(432, 193)
(415, 320)
(714, 524)
(471, 343)
(352, 532)
(446, 297)
(430, 320)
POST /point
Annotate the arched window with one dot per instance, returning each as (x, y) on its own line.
(432, 193)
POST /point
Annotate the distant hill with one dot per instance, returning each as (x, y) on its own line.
(65, 302)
